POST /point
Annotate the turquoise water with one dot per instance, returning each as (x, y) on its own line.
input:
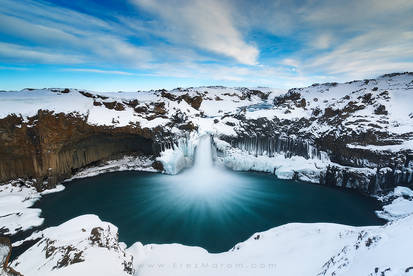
(214, 210)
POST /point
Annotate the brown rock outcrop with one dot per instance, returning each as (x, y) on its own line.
(50, 147)
(5, 248)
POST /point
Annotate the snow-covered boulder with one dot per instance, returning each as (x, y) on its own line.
(84, 245)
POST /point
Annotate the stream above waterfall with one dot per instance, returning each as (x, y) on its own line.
(203, 206)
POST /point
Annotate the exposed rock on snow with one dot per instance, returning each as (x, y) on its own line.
(360, 124)
(5, 252)
(400, 204)
(82, 246)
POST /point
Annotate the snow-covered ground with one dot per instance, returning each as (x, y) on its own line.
(127, 163)
(16, 198)
(400, 206)
(360, 98)
(85, 245)
(91, 104)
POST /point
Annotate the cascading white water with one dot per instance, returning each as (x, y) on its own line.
(203, 157)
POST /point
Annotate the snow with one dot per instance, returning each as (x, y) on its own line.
(127, 163)
(292, 249)
(403, 191)
(81, 246)
(406, 145)
(15, 202)
(173, 160)
(15, 212)
(57, 189)
(180, 155)
(4, 252)
(283, 167)
(27, 103)
(400, 207)
(394, 93)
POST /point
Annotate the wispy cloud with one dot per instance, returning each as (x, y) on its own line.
(266, 42)
(63, 31)
(207, 26)
(99, 71)
(13, 68)
(35, 54)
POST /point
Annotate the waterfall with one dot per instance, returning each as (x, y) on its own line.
(203, 156)
(204, 181)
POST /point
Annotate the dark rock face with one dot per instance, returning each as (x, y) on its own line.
(268, 137)
(194, 101)
(275, 144)
(51, 147)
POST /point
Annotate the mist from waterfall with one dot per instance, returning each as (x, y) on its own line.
(204, 181)
(204, 187)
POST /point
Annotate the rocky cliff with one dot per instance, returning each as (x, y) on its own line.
(50, 147)
(356, 135)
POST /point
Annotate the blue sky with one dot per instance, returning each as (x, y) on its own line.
(110, 45)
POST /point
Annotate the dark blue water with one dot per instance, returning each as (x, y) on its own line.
(212, 211)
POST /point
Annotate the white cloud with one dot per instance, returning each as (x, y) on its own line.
(205, 24)
(367, 55)
(99, 71)
(322, 41)
(63, 31)
(338, 39)
(211, 40)
(24, 54)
